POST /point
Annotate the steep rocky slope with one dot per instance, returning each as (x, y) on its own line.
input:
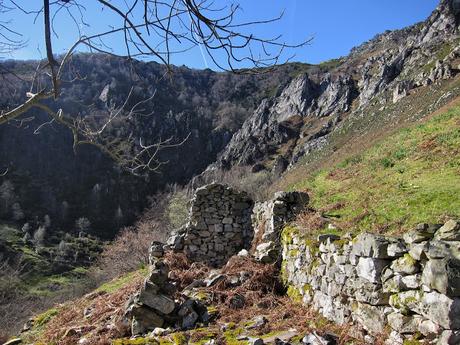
(266, 122)
(368, 136)
(45, 176)
(363, 86)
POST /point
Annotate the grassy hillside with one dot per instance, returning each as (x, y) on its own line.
(409, 177)
(34, 277)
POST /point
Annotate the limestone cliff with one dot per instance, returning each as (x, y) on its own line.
(383, 70)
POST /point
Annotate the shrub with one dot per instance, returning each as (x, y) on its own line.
(242, 178)
(129, 250)
(387, 162)
(178, 208)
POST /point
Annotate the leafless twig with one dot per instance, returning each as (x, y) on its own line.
(153, 29)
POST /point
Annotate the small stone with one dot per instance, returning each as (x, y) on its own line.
(316, 339)
(144, 319)
(205, 234)
(449, 337)
(429, 328)
(394, 339)
(156, 251)
(405, 265)
(256, 341)
(188, 313)
(158, 332)
(404, 324)
(421, 233)
(189, 320)
(396, 249)
(450, 231)
(243, 253)
(158, 273)
(417, 250)
(442, 249)
(267, 252)
(438, 308)
(214, 279)
(387, 274)
(412, 281)
(371, 245)
(257, 322)
(405, 301)
(227, 220)
(160, 303)
(371, 269)
(369, 339)
(372, 318)
(394, 284)
(443, 275)
(369, 293)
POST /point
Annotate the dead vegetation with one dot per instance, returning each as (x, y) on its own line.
(311, 220)
(259, 293)
(129, 250)
(97, 317)
(183, 271)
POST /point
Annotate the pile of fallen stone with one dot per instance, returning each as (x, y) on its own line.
(158, 304)
(411, 284)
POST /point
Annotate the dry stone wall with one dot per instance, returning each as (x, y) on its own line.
(269, 218)
(219, 225)
(410, 284)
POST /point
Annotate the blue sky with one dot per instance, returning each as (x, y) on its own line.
(335, 25)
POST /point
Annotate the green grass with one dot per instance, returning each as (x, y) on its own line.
(47, 286)
(116, 284)
(178, 208)
(411, 177)
(330, 64)
(44, 318)
(9, 234)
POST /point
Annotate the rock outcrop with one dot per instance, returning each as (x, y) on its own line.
(386, 69)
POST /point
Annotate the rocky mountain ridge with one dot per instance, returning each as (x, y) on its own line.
(383, 70)
(267, 122)
(45, 176)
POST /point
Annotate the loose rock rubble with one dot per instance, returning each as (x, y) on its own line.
(411, 284)
(155, 305)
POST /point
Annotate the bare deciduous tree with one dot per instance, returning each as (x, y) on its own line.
(39, 236)
(150, 29)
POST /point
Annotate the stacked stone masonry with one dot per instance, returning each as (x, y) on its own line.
(155, 306)
(219, 225)
(269, 218)
(411, 284)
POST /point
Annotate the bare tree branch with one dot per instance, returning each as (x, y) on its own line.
(152, 29)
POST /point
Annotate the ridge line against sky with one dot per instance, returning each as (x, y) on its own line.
(336, 26)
